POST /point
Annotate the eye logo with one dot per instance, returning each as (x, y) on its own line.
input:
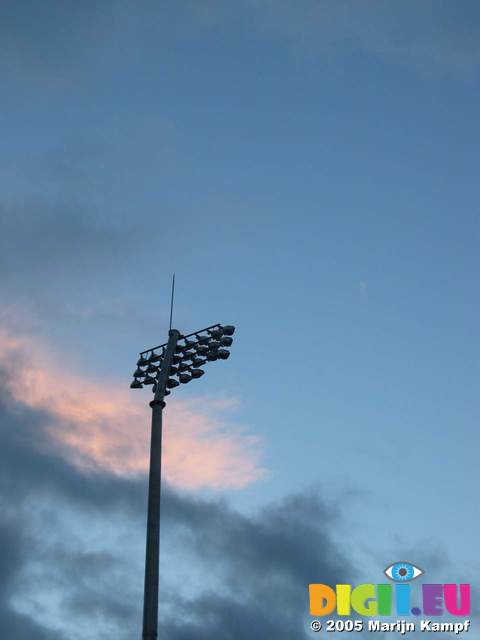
(403, 571)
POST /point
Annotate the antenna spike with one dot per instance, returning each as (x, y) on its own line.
(171, 301)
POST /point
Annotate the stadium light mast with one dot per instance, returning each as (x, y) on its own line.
(165, 367)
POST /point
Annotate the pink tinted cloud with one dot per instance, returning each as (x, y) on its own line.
(107, 428)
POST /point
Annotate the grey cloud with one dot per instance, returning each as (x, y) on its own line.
(62, 265)
(257, 567)
(49, 35)
(52, 35)
(267, 562)
(264, 562)
(429, 31)
(44, 240)
(13, 549)
(29, 467)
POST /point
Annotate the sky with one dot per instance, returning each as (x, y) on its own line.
(307, 170)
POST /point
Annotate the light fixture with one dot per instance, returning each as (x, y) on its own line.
(202, 349)
(183, 358)
(229, 329)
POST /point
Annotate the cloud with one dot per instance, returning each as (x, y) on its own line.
(429, 31)
(67, 270)
(72, 552)
(78, 532)
(108, 429)
(265, 561)
(55, 35)
(90, 423)
(60, 242)
(13, 547)
(52, 34)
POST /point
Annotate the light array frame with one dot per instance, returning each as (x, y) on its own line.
(186, 360)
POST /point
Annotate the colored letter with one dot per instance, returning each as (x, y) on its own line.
(450, 595)
(343, 599)
(402, 598)
(384, 599)
(432, 599)
(360, 596)
(322, 599)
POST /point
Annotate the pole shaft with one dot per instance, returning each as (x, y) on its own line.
(150, 603)
(152, 553)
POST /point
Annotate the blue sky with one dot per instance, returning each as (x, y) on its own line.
(308, 171)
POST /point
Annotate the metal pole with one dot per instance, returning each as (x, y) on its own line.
(150, 602)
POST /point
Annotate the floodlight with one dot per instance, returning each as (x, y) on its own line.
(173, 370)
(198, 362)
(226, 341)
(155, 357)
(171, 383)
(139, 373)
(142, 361)
(149, 380)
(188, 355)
(202, 349)
(197, 373)
(184, 378)
(223, 354)
(152, 368)
(214, 345)
(183, 367)
(216, 333)
(136, 384)
(229, 329)
(212, 355)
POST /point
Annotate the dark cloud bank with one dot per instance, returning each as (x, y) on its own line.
(51, 36)
(263, 562)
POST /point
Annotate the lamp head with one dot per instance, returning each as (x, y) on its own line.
(229, 329)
